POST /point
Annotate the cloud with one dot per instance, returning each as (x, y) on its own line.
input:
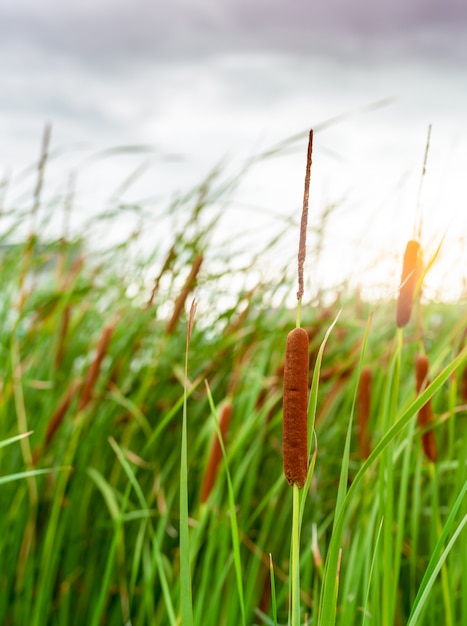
(117, 33)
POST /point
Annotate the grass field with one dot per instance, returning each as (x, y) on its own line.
(108, 418)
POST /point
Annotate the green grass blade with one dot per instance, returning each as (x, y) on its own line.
(20, 475)
(157, 555)
(186, 600)
(10, 440)
(233, 513)
(273, 590)
(438, 558)
(327, 608)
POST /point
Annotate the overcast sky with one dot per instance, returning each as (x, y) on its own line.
(205, 78)
(111, 31)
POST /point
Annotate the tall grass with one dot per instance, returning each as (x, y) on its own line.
(99, 525)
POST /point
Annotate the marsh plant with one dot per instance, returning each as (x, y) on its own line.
(144, 442)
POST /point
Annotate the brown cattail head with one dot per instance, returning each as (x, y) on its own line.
(64, 326)
(364, 411)
(295, 408)
(57, 417)
(215, 455)
(410, 275)
(167, 265)
(425, 415)
(95, 367)
(188, 287)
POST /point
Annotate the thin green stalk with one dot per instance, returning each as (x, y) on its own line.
(389, 574)
(327, 604)
(329, 592)
(366, 616)
(233, 513)
(186, 601)
(407, 464)
(52, 542)
(462, 476)
(436, 517)
(156, 554)
(295, 562)
(29, 474)
(273, 590)
(452, 400)
(22, 421)
(10, 440)
(116, 551)
(299, 311)
(438, 558)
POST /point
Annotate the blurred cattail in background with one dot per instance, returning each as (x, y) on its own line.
(295, 408)
(57, 417)
(411, 270)
(215, 455)
(64, 327)
(95, 367)
(185, 292)
(364, 411)
(171, 256)
(425, 415)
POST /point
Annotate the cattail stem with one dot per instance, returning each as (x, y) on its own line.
(299, 313)
(295, 560)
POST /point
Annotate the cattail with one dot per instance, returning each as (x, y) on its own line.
(425, 415)
(215, 455)
(187, 288)
(64, 326)
(409, 280)
(295, 408)
(95, 367)
(58, 416)
(167, 264)
(364, 407)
